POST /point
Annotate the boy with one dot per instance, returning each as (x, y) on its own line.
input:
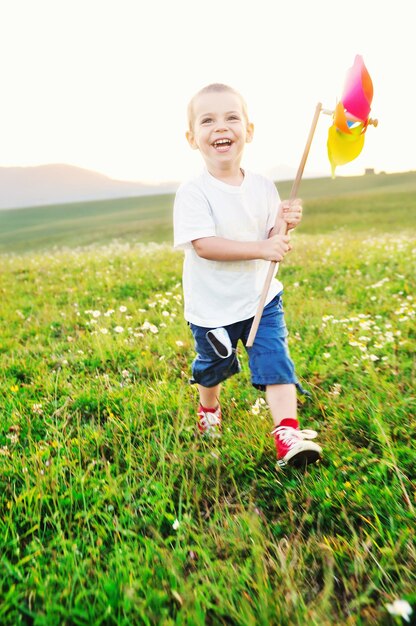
(226, 220)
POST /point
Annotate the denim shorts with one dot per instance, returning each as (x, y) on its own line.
(269, 359)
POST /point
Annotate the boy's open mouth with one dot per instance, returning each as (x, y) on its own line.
(222, 145)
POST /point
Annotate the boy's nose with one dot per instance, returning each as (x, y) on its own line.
(221, 127)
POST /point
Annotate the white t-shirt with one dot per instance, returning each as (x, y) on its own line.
(218, 293)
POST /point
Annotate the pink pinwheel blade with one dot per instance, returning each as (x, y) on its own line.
(358, 90)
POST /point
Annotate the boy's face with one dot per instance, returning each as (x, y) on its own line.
(220, 129)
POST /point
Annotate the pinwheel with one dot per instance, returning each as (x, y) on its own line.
(345, 142)
(351, 116)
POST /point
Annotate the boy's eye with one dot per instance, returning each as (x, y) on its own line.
(233, 117)
(206, 120)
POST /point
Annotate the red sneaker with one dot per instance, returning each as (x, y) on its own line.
(293, 445)
(209, 422)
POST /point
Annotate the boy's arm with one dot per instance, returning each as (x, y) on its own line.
(220, 249)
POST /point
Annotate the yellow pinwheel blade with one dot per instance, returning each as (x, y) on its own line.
(343, 148)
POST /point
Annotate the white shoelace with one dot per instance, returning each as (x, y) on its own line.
(211, 423)
(291, 436)
(210, 419)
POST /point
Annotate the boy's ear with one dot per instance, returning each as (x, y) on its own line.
(249, 132)
(191, 139)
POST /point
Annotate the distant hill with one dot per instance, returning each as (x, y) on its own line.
(59, 184)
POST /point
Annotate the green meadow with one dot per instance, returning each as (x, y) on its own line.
(375, 202)
(114, 512)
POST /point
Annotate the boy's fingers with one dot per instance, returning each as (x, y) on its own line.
(291, 203)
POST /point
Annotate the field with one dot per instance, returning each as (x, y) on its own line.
(380, 202)
(112, 511)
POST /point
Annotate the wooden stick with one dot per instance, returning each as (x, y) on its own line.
(283, 229)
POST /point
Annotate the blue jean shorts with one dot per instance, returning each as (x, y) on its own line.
(269, 359)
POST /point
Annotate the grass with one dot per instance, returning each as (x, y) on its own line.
(38, 228)
(112, 512)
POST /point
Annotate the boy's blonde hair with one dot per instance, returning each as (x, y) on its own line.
(214, 88)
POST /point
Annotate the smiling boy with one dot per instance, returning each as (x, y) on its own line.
(226, 220)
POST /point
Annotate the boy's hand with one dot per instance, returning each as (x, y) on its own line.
(275, 248)
(291, 212)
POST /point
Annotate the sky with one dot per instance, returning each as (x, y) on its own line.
(104, 84)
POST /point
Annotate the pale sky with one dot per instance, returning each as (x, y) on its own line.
(104, 84)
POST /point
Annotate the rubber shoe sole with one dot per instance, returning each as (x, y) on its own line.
(302, 458)
(220, 342)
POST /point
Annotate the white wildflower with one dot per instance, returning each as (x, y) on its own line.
(401, 608)
(119, 329)
(148, 326)
(255, 409)
(335, 390)
(175, 524)
(122, 309)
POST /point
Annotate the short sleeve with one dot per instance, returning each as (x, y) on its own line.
(192, 217)
(273, 205)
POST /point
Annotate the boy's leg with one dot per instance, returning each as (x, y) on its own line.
(282, 403)
(292, 444)
(209, 411)
(273, 369)
(209, 397)
(209, 369)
